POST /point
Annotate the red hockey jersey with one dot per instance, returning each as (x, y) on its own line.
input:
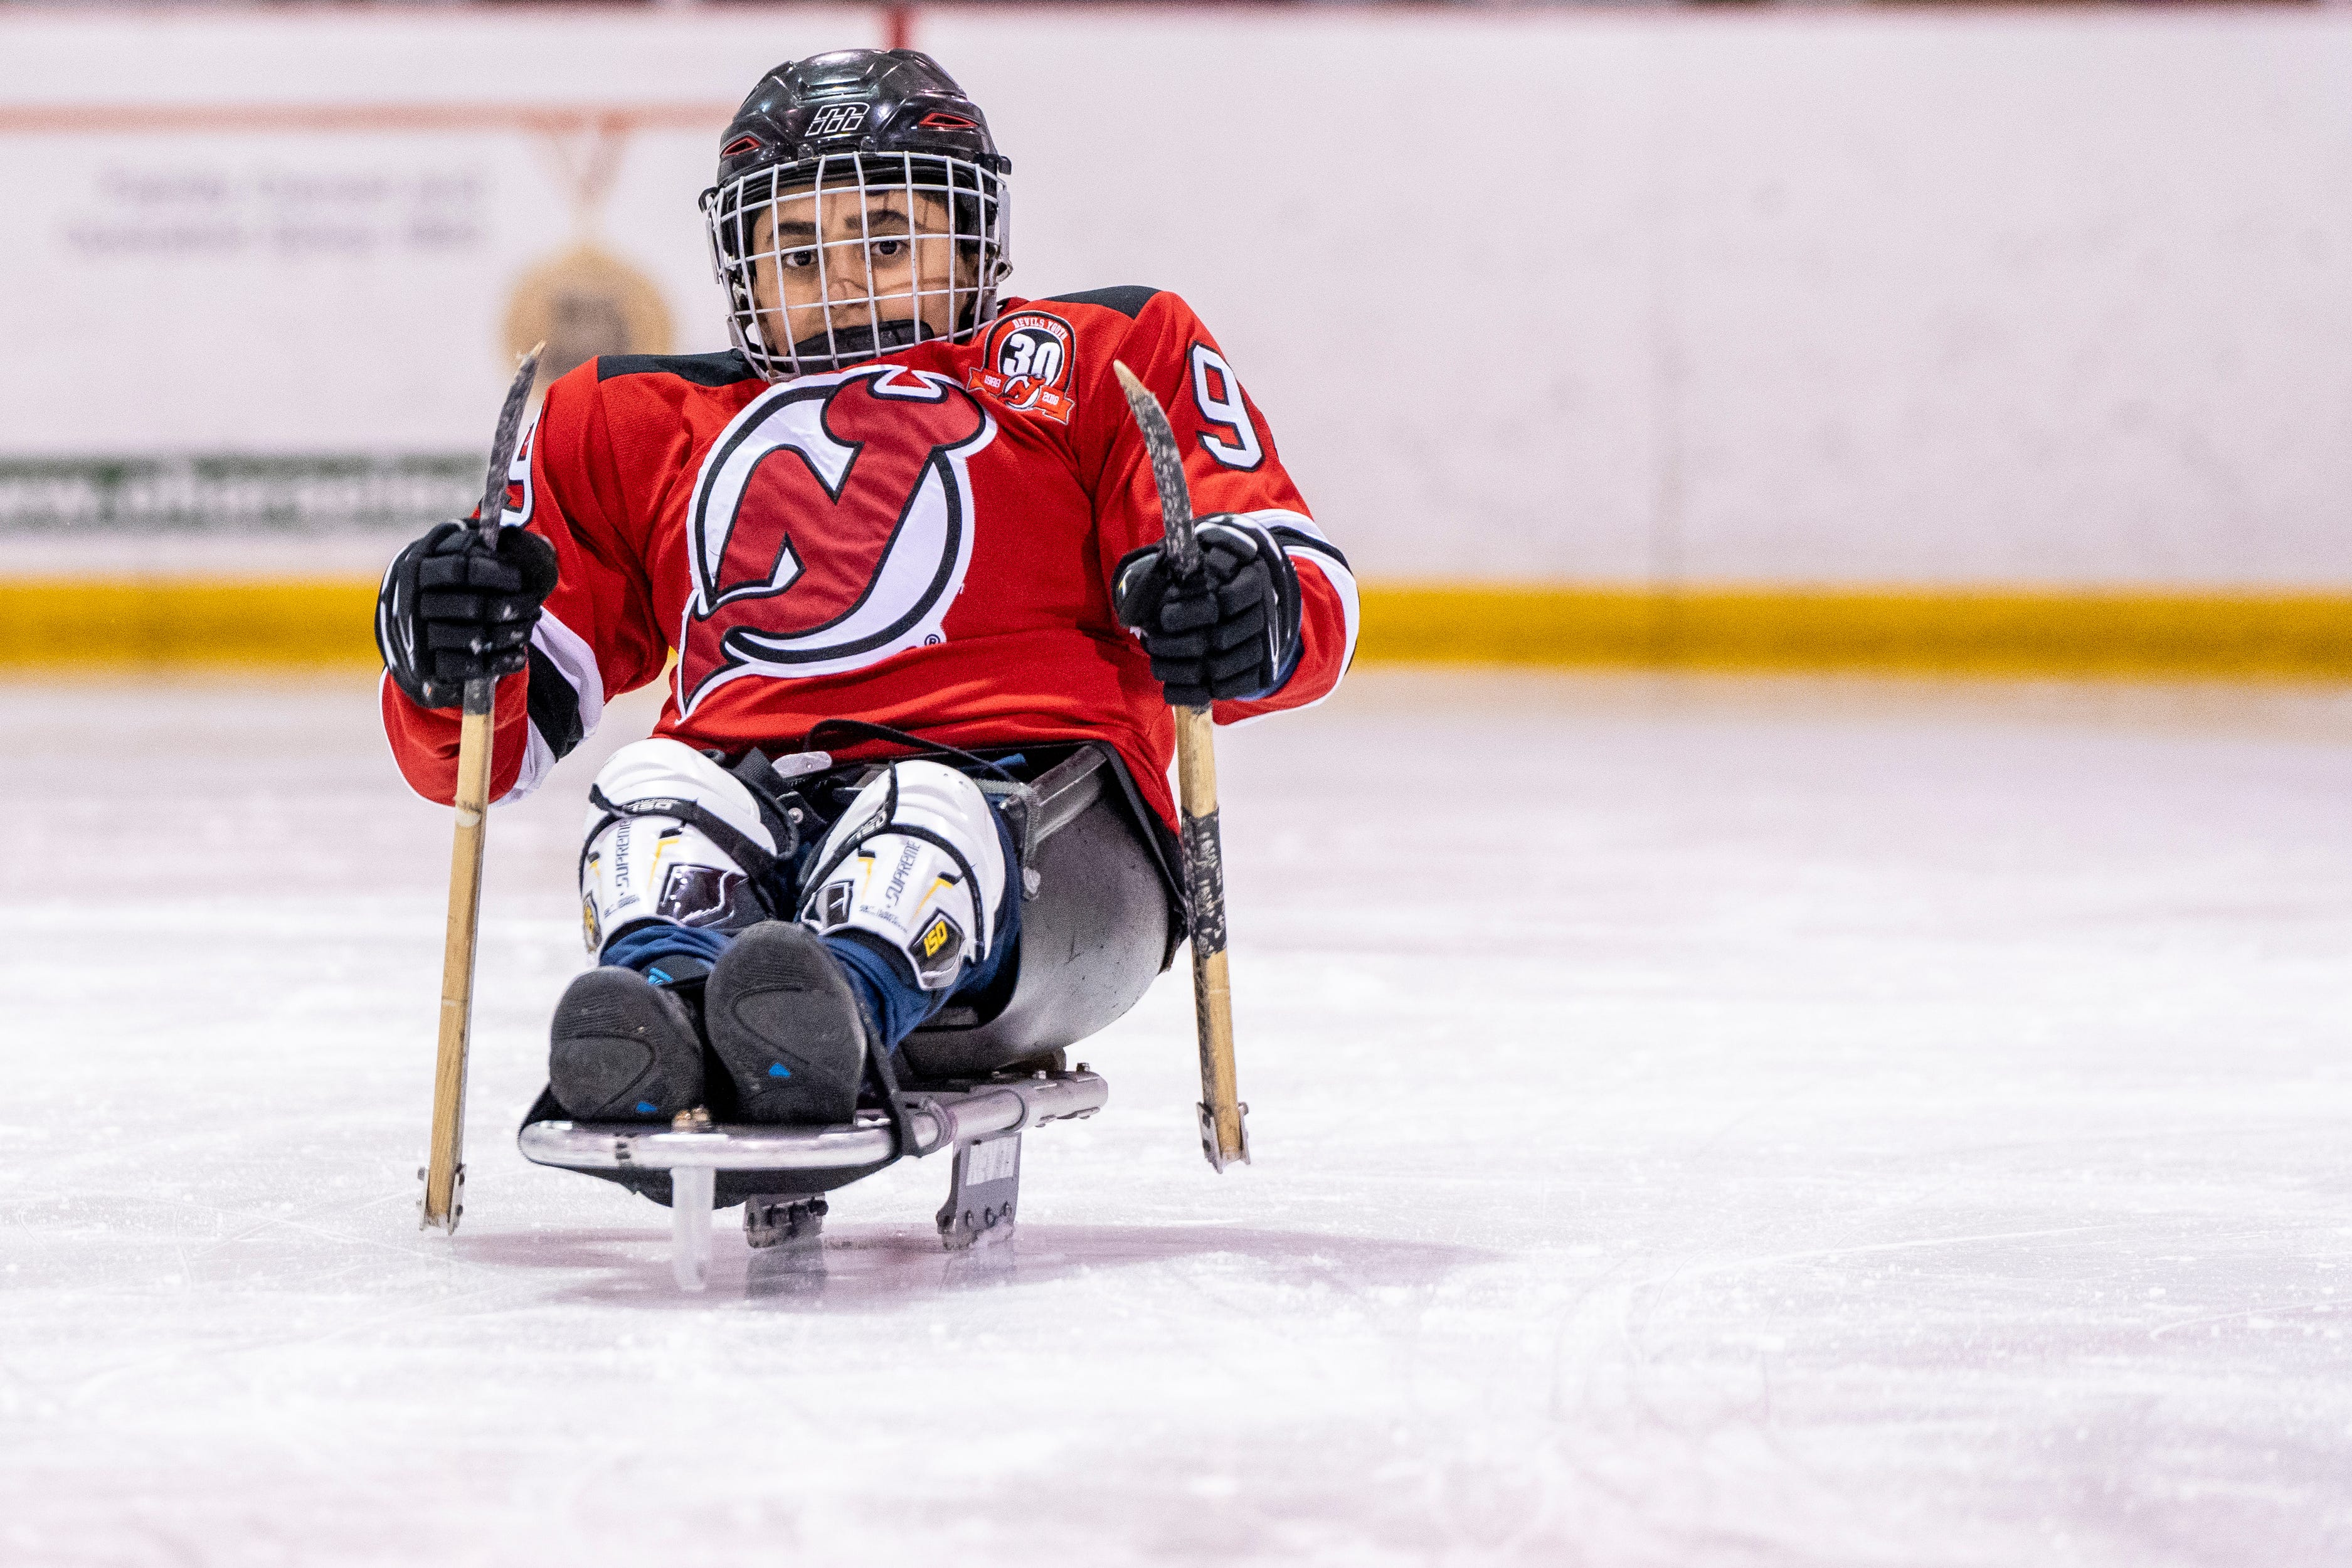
(925, 541)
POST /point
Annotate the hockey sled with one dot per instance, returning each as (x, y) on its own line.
(781, 1175)
(1090, 842)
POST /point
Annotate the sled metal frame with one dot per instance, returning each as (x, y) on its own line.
(981, 1121)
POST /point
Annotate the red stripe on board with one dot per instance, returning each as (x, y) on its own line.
(554, 117)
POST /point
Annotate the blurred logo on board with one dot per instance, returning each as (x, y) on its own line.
(582, 304)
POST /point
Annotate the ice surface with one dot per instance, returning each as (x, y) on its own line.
(1697, 1122)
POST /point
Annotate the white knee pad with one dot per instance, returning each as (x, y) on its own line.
(915, 860)
(668, 837)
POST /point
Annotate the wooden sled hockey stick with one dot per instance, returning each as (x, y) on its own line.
(1224, 1131)
(444, 1170)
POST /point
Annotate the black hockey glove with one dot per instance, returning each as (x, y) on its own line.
(451, 609)
(1231, 630)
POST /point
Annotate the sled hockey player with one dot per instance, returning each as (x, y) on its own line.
(902, 543)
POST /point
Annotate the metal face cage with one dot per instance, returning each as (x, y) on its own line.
(882, 250)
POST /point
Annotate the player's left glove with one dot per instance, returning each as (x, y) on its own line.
(451, 609)
(1230, 631)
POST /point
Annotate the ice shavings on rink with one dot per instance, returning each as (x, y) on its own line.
(1697, 1122)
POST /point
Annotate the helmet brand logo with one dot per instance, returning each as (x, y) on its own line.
(839, 119)
(940, 120)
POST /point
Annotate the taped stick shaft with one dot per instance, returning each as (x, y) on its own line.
(444, 1164)
(445, 1159)
(1224, 1137)
(1222, 1140)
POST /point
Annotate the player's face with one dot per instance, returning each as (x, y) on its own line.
(817, 260)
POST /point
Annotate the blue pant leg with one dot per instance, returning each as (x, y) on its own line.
(884, 981)
(665, 952)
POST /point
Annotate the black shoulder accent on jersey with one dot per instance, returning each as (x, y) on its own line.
(1128, 300)
(553, 706)
(703, 370)
(1287, 536)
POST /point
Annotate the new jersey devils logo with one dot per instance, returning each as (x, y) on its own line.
(830, 528)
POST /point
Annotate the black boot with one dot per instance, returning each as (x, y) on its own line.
(787, 1027)
(623, 1049)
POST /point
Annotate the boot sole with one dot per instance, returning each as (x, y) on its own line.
(623, 1049)
(786, 1025)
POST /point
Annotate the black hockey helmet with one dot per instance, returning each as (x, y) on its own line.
(856, 100)
(870, 120)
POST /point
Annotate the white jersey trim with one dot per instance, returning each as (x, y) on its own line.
(576, 661)
(538, 759)
(1319, 552)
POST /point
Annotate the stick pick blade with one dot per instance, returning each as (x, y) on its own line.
(1167, 471)
(503, 444)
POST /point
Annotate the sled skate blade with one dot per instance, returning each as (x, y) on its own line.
(983, 1193)
(786, 1235)
(783, 1220)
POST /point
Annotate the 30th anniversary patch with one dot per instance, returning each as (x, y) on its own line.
(1030, 365)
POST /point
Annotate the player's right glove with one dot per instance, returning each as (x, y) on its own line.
(451, 609)
(1231, 629)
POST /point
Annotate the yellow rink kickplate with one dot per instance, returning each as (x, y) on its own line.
(96, 622)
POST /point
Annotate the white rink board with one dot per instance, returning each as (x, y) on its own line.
(1846, 1126)
(359, 305)
(1988, 296)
